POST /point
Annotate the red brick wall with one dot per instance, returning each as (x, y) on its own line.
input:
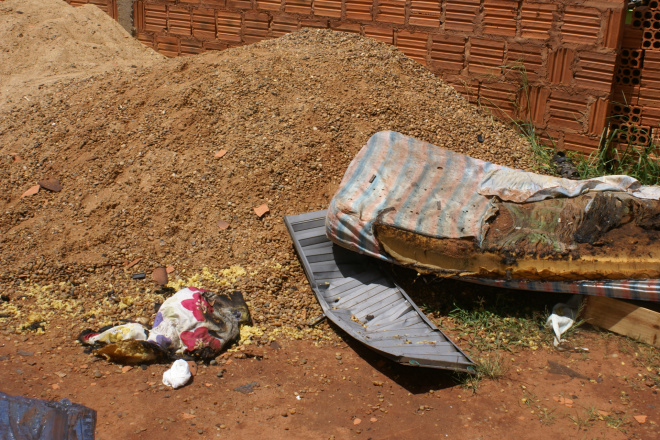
(553, 62)
(635, 108)
(108, 6)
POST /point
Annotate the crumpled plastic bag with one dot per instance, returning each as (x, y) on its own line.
(178, 375)
(562, 318)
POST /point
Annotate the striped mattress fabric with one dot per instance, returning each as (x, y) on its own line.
(411, 185)
(418, 187)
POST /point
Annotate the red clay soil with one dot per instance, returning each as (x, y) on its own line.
(132, 138)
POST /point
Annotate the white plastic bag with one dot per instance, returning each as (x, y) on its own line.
(178, 375)
(563, 317)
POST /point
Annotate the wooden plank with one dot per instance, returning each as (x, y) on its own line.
(623, 318)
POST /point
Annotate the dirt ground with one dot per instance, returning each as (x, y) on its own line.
(132, 138)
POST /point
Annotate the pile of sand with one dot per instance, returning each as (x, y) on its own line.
(45, 40)
(134, 151)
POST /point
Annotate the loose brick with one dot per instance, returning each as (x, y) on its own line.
(595, 71)
(567, 111)
(537, 19)
(460, 15)
(384, 34)
(391, 11)
(533, 103)
(359, 9)
(229, 26)
(255, 26)
(413, 44)
(581, 143)
(191, 47)
(327, 8)
(203, 24)
(155, 18)
(167, 45)
(560, 66)
(448, 53)
(598, 116)
(523, 59)
(298, 7)
(283, 24)
(269, 5)
(613, 28)
(580, 25)
(179, 21)
(500, 17)
(500, 98)
(425, 13)
(486, 57)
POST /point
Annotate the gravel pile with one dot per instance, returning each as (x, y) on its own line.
(135, 152)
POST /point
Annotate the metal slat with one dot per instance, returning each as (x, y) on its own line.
(362, 289)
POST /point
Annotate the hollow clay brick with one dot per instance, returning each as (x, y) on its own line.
(413, 44)
(598, 116)
(167, 45)
(560, 66)
(178, 21)
(391, 11)
(384, 34)
(536, 20)
(466, 87)
(533, 103)
(319, 23)
(581, 143)
(327, 8)
(255, 26)
(460, 15)
(580, 25)
(358, 9)
(303, 7)
(500, 17)
(500, 98)
(567, 111)
(613, 28)
(191, 47)
(355, 28)
(138, 15)
(425, 13)
(239, 4)
(283, 24)
(146, 39)
(229, 26)
(269, 5)
(215, 45)
(627, 94)
(448, 53)
(155, 18)
(595, 70)
(203, 24)
(523, 62)
(486, 57)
